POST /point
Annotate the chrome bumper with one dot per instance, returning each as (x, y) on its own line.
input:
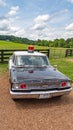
(39, 95)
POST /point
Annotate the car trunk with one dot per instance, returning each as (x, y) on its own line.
(40, 78)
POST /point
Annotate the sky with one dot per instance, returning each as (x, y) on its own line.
(37, 19)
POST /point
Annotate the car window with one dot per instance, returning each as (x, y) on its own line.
(32, 60)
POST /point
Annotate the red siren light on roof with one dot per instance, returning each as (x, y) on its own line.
(31, 49)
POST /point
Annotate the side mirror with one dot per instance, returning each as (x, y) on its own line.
(55, 67)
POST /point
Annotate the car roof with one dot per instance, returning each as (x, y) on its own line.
(18, 53)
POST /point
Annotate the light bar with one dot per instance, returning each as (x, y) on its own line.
(31, 49)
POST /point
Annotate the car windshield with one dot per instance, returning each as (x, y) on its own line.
(32, 61)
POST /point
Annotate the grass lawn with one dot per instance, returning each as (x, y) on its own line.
(11, 45)
(3, 68)
(65, 65)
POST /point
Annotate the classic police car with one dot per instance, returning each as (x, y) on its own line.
(32, 76)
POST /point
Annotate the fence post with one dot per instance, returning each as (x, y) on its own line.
(48, 53)
(71, 52)
(66, 52)
(2, 56)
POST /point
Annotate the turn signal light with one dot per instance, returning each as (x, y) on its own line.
(63, 84)
(22, 86)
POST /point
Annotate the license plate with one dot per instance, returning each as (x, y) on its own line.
(44, 96)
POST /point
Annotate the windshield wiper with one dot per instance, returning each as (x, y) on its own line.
(24, 66)
(42, 66)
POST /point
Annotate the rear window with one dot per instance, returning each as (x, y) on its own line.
(32, 60)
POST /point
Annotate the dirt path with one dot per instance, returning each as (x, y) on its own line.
(51, 114)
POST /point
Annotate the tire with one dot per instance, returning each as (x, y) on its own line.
(59, 97)
(14, 99)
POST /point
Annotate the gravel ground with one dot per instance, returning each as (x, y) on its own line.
(51, 114)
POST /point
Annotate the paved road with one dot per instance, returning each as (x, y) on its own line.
(51, 114)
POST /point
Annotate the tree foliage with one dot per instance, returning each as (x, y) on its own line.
(55, 43)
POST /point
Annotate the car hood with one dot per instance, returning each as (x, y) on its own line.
(39, 73)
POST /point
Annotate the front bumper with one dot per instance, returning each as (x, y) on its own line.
(39, 95)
